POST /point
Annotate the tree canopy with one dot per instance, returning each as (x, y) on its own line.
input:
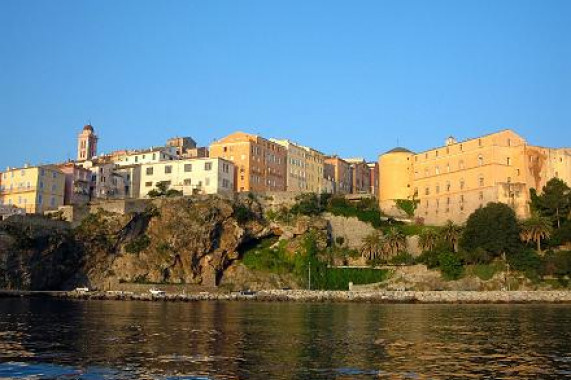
(493, 228)
(554, 201)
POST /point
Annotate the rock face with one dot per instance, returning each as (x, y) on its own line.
(36, 254)
(351, 230)
(174, 241)
(192, 241)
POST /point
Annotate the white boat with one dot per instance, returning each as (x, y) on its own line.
(157, 292)
(82, 290)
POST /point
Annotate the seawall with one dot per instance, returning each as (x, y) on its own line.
(451, 297)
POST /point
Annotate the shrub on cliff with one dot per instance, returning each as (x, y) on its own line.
(365, 210)
(450, 265)
(307, 204)
(493, 228)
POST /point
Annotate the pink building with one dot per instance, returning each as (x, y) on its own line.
(77, 181)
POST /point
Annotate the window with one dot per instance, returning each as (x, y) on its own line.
(437, 188)
(508, 161)
(187, 168)
(148, 184)
(225, 183)
(40, 199)
(517, 171)
(22, 172)
(480, 160)
(448, 168)
(154, 156)
(437, 170)
(53, 188)
(481, 195)
(426, 191)
(168, 169)
(149, 171)
(510, 179)
(481, 181)
(462, 184)
(448, 186)
(41, 184)
(479, 142)
(509, 142)
(208, 166)
(187, 182)
(461, 164)
(52, 202)
(54, 175)
(136, 158)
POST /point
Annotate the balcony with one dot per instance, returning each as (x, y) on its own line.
(19, 190)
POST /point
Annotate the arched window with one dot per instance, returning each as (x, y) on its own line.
(481, 180)
(480, 160)
(448, 186)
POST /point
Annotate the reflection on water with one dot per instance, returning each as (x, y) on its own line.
(42, 338)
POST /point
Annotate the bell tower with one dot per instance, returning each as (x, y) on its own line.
(86, 144)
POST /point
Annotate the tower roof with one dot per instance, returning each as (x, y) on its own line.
(399, 149)
(88, 127)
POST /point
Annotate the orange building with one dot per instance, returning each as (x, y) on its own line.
(338, 170)
(451, 181)
(261, 165)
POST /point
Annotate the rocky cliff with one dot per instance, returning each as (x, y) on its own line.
(176, 241)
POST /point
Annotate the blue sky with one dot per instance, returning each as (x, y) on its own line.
(347, 77)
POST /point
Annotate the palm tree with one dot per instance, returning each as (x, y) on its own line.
(372, 246)
(395, 240)
(451, 233)
(536, 229)
(427, 239)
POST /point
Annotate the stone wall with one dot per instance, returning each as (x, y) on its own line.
(352, 230)
(120, 206)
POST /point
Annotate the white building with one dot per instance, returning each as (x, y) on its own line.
(191, 176)
(106, 182)
(146, 156)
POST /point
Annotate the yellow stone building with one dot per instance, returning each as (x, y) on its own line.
(452, 181)
(35, 189)
(304, 167)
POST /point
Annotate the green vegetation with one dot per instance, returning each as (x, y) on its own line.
(485, 271)
(366, 210)
(263, 257)
(162, 190)
(138, 245)
(554, 202)
(408, 206)
(450, 265)
(493, 228)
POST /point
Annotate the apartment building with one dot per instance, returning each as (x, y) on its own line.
(374, 177)
(191, 176)
(338, 171)
(77, 183)
(452, 181)
(261, 165)
(360, 176)
(33, 188)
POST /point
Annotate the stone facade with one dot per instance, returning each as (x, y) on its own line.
(452, 181)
